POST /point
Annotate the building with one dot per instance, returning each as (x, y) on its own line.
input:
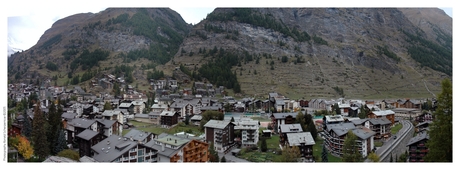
(86, 140)
(417, 147)
(169, 118)
(279, 119)
(120, 149)
(221, 133)
(388, 114)
(286, 129)
(175, 148)
(381, 127)
(138, 107)
(304, 141)
(249, 131)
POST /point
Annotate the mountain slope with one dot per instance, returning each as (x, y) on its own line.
(351, 52)
(299, 52)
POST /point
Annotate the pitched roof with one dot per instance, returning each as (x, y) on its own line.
(358, 121)
(217, 124)
(137, 135)
(124, 105)
(420, 136)
(380, 121)
(110, 112)
(168, 113)
(87, 134)
(287, 128)
(247, 124)
(69, 116)
(196, 117)
(86, 159)
(363, 132)
(82, 122)
(111, 148)
(383, 113)
(59, 159)
(340, 128)
(106, 123)
(298, 138)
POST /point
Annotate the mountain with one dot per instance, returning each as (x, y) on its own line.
(298, 52)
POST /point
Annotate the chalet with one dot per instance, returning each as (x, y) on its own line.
(172, 148)
(169, 118)
(279, 119)
(221, 133)
(138, 107)
(116, 115)
(285, 129)
(423, 126)
(417, 147)
(334, 136)
(425, 116)
(381, 127)
(78, 125)
(303, 103)
(412, 104)
(128, 106)
(304, 141)
(195, 120)
(154, 117)
(388, 114)
(365, 140)
(86, 140)
(109, 127)
(159, 107)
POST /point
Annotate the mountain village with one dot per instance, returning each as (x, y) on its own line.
(106, 128)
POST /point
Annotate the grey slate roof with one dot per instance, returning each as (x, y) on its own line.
(217, 124)
(59, 159)
(168, 152)
(363, 133)
(86, 159)
(111, 148)
(106, 123)
(141, 115)
(110, 112)
(196, 117)
(359, 121)
(295, 139)
(288, 128)
(137, 135)
(340, 128)
(420, 136)
(87, 134)
(380, 121)
(68, 116)
(82, 123)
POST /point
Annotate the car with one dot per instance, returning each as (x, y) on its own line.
(394, 137)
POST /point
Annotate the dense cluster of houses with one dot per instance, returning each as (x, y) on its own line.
(97, 132)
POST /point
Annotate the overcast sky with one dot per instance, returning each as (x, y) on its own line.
(26, 23)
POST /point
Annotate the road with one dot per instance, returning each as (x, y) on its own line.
(395, 146)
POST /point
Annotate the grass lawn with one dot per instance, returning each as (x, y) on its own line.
(396, 128)
(318, 149)
(378, 143)
(258, 156)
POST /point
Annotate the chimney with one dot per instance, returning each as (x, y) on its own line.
(131, 138)
(108, 142)
(162, 147)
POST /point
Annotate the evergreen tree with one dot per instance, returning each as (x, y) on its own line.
(187, 119)
(55, 124)
(263, 145)
(39, 137)
(232, 120)
(107, 106)
(324, 154)
(350, 149)
(337, 109)
(373, 157)
(391, 157)
(310, 126)
(362, 112)
(213, 156)
(60, 142)
(301, 120)
(440, 131)
(223, 159)
(26, 130)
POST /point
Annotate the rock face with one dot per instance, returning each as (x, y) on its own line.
(363, 51)
(352, 58)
